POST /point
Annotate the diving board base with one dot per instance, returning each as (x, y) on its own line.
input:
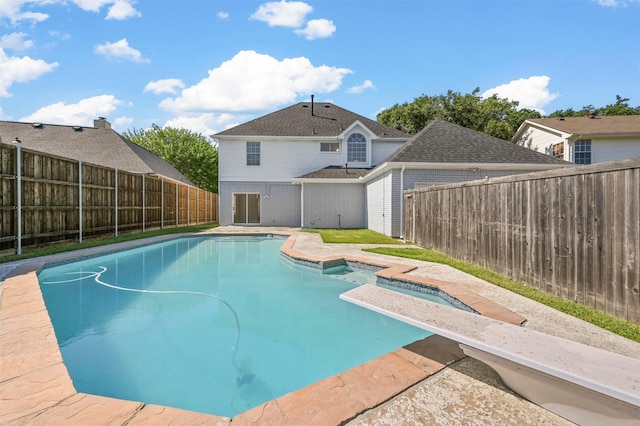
(583, 384)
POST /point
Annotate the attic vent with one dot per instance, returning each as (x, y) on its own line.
(305, 106)
(327, 106)
(37, 125)
(77, 128)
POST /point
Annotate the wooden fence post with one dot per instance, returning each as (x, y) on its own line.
(116, 202)
(80, 201)
(19, 195)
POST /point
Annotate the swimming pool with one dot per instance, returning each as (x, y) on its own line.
(214, 324)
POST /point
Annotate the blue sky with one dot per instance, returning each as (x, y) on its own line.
(207, 65)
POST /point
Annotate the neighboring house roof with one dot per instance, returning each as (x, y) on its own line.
(620, 125)
(297, 120)
(97, 145)
(444, 142)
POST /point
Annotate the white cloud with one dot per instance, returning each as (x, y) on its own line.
(367, 84)
(12, 10)
(82, 113)
(252, 81)
(283, 13)
(222, 15)
(168, 85)
(15, 41)
(531, 93)
(91, 5)
(616, 3)
(317, 28)
(15, 69)
(121, 124)
(121, 10)
(206, 124)
(59, 34)
(119, 50)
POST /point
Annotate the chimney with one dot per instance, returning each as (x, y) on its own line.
(312, 105)
(591, 114)
(101, 123)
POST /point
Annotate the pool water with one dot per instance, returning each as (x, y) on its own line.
(213, 324)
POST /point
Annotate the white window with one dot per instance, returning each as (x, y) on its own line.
(253, 153)
(357, 148)
(582, 151)
(329, 147)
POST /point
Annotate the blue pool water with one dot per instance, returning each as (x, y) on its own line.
(213, 324)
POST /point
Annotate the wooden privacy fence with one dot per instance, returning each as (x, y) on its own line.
(572, 232)
(67, 200)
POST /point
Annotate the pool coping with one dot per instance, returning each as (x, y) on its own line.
(35, 387)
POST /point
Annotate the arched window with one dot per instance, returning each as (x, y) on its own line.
(357, 148)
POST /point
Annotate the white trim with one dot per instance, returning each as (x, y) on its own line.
(349, 130)
(384, 167)
(299, 181)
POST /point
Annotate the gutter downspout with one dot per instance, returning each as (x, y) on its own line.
(402, 202)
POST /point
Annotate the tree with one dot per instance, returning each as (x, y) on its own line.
(492, 115)
(190, 153)
(620, 107)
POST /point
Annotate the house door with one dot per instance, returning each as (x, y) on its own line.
(246, 208)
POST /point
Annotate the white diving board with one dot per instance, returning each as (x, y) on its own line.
(583, 384)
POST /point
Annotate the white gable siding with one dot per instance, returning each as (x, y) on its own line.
(614, 149)
(279, 161)
(381, 150)
(541, 140)
(334, 206)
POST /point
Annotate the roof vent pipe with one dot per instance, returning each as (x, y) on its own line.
(312, 105)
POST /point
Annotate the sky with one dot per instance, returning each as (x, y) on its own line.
(207, 65)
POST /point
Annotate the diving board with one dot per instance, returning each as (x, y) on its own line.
(583, 384)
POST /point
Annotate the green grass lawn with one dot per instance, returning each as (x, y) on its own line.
(104, 241)
(613, 324)
(353, 236)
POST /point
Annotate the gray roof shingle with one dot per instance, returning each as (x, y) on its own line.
(615, 124)
(101, 146)
(444, 142)
(337, 172)
(296, 120)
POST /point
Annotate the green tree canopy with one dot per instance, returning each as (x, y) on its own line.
(190, 153)
(619, 107)
(492, 115)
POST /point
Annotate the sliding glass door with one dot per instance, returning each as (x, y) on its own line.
(246, 208)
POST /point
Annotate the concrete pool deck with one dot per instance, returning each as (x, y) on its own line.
(426, 382)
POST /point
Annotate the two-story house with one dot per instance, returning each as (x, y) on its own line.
(583, 140)
(258, 160)
(317, 165)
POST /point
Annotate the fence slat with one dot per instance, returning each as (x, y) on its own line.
(573, 232)
(54, 188)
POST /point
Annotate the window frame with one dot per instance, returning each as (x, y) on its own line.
(357, 148)
(582, 151)
(253, 155)
(330, 145)
(557, 150)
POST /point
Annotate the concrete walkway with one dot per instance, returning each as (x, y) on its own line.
(462, 390)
